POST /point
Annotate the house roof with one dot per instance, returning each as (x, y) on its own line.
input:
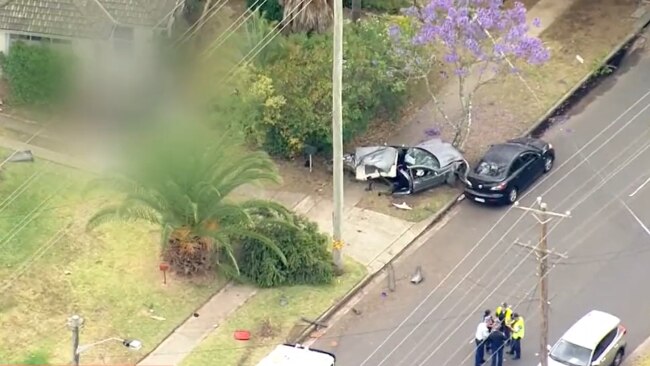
(80, 18)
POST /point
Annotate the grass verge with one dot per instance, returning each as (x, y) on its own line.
(422, 205)
(269, 321)
(110, 277)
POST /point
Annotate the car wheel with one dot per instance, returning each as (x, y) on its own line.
(618, 359)
(548, 163)
(513, 195)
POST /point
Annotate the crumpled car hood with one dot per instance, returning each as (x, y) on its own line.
(372, 162)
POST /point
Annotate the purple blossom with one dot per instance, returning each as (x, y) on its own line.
(475, 30)
(394, 32)
(432, 132)
(537, 23)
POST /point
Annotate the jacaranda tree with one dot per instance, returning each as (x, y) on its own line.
(476, 40)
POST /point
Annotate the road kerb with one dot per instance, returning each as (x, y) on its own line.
(641, 351)
(329, 313)
(332, 310)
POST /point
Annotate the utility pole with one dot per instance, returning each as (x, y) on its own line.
(356, 10)
(543, 216)
(75, 322)
(337, 135)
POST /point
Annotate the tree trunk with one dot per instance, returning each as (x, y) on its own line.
(356, 10)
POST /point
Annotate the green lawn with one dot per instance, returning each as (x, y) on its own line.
(110, 277)
(269, 321)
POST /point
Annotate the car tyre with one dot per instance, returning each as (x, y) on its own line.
(548, 163)
(618, 359)
(513, 195)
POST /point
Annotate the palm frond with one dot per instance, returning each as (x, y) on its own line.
(124, 213)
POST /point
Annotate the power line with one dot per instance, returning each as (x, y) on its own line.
(255, 52)
(515, 223)
(591, 192)
(576, 243)
(220, 40)
(505, 253)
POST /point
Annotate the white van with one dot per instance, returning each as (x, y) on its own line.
(297, 355)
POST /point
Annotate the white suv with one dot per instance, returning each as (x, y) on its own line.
(597, 339)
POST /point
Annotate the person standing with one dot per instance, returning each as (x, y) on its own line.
(482, 333)
(518, 332)
(497, 341)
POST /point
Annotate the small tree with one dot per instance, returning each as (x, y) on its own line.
(308, 261)
(37, 74)
(478, 39)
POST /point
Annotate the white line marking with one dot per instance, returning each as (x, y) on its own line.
(640, 187)
(645, 228)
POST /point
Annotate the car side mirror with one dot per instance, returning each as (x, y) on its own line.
(548, 347)
(596, 363)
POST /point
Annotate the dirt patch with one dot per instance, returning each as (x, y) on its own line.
(421, 205)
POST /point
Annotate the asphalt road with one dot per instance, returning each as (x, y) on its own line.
(603, 162)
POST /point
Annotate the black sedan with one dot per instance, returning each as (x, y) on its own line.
(509, 168)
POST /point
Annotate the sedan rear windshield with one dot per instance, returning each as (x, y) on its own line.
(490, 169)
(570, 354)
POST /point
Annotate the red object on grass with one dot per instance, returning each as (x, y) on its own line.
(242, 335)
(164, 266)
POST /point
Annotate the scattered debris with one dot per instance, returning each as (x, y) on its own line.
(356, 311)
(580, 59)
(283, 300)
(384, 294)
(67, 273)
(402, 206)
(25, 156)
(156, 317)
(315, 323)
(196, 315)
(417, 276)
(242, 335)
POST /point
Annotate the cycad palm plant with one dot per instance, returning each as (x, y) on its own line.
(181, 183)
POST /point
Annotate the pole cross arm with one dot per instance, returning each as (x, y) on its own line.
(536, 248)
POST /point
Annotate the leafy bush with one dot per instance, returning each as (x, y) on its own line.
(304, 247)
(290, 99)
(388, 6)
(270, 9)
(37, 74)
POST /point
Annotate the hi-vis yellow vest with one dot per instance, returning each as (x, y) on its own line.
(508, 314)
(518, 333)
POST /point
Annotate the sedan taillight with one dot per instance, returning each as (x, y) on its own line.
(499, 187)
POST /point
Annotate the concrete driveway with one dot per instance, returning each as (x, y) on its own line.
(603, 163)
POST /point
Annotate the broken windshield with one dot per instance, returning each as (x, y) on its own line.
(490, 169)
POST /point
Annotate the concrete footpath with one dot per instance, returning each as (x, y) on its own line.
(372, 239)
(640, 356)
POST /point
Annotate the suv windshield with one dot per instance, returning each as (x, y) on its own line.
(570, 354)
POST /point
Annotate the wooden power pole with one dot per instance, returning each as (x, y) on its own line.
(542, 253)
(337, 135)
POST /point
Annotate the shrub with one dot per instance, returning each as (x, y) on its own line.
(387, 6)
(305, 248)
(270, 9)
(37, 74)
(292, 96)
